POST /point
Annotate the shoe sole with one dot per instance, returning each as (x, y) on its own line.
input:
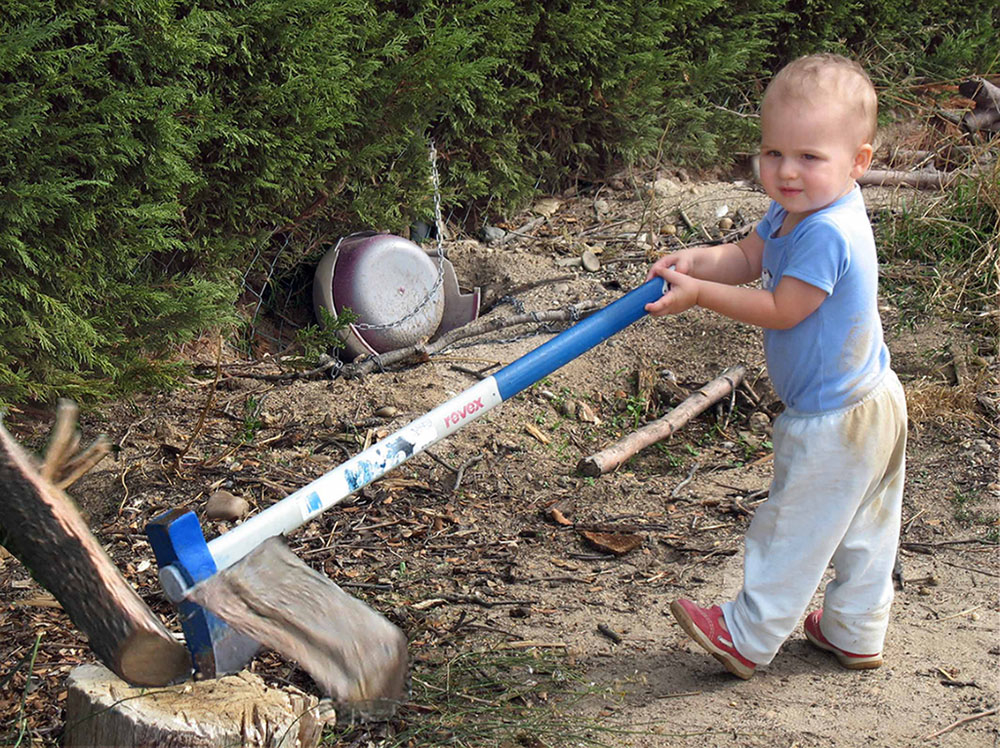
(850, 663)
(733, 666)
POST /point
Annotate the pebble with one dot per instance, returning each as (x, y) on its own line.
(664, 187)
(547, 207)
(759, 422)
(225, 507)
(492, 234)
(590, 262)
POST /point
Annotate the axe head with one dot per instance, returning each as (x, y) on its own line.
(270, 597)
(182, 554)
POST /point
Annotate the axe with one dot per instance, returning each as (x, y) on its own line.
(245, 586)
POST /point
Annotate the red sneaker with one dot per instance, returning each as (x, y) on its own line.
(848, 659)
(708, 628)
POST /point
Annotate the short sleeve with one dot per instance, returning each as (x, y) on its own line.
(821, 255)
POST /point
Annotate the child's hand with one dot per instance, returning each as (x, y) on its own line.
(682, 262)
(683, 293)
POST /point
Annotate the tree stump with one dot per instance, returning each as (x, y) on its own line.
(238, 710)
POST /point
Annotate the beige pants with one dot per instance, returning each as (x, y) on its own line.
(836, 497)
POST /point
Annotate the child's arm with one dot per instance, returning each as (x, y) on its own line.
(790, 303)
(724, 263)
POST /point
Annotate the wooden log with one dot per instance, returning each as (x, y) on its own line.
(608, 459)
(237, 710)
(43, 528)
(924, 180)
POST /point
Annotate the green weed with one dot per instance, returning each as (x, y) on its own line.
(967, 511)
(486, 698)
(252, 422)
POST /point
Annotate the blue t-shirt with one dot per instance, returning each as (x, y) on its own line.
(836, 355)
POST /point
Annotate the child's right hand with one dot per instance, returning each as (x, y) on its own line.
(681, 261)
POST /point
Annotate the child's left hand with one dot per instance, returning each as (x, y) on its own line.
(683, 293)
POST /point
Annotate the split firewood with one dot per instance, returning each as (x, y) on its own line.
(610, 458)
(42, 527)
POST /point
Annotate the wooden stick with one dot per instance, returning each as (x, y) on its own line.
(41, 526)
(927, 180)
(958, 722)
(423, 351)
(610, 458)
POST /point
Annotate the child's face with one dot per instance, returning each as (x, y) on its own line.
(810, 154)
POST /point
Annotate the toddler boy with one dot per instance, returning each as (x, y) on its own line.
(839, 445)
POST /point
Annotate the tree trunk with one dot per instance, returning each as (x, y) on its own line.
(43, 528)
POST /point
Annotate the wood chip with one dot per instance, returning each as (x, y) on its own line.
(616, 543)
(535, 432)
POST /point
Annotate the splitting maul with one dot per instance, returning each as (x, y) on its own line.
(186, 560)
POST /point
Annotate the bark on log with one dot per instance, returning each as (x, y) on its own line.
(238, 710)
(42, 526)
(608, 459)
(925, 180)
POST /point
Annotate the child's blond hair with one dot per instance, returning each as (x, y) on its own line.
(835, 78)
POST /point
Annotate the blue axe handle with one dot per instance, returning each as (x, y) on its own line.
(185, 558)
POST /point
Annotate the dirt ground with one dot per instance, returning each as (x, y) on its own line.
(502, 557)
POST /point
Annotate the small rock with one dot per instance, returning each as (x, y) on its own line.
(224, 507)
(759, 422)
(569, 408)
(586, 414)
(492, 234)
(546, 207)
(590, 262)
(664, 187)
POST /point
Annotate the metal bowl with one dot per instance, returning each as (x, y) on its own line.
(400, 294)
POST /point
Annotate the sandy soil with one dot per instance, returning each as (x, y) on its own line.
(689, 500)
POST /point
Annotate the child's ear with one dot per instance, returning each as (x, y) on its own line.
(862, 160)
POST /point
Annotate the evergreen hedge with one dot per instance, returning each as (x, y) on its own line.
(150, 149)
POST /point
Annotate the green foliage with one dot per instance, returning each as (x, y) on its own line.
(154, 150)
(312, 341)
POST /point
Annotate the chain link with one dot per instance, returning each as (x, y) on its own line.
(439, 225)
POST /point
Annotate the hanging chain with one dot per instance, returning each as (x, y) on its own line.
(439, 225)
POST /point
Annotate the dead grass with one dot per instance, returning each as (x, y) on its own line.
(931, 402)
